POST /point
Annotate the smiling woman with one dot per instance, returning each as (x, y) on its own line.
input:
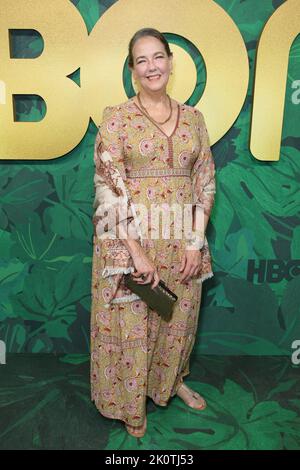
(150, 150)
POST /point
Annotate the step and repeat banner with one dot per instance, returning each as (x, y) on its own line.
(61, 63)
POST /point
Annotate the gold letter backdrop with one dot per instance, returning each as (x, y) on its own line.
(101, 55)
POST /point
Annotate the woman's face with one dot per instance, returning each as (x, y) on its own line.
(151, 60)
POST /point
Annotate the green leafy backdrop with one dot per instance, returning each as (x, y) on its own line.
(46, 227)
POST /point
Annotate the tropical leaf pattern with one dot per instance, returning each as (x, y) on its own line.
(253, 404)
(46, 226)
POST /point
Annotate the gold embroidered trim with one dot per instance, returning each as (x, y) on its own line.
(156, 172)
(189, 332)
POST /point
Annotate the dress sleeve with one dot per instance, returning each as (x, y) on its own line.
(203, 184)
(114, 213)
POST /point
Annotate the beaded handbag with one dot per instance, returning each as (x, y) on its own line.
(161, 298)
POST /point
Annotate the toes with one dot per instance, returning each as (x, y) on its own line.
(137, 429)
(198, 398)
(192, 398)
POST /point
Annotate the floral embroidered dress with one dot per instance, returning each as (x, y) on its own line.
(134, 353)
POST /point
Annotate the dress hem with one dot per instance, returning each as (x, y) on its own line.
(164, 404)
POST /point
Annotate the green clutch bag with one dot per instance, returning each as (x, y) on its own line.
(161, 298)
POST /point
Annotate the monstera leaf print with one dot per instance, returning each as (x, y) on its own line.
(45, 404)
(232, 421)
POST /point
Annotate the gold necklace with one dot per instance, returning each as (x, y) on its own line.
(157, 122)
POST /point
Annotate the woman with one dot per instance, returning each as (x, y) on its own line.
(150, 151)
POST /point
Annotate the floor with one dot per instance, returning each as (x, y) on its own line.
(253, 403)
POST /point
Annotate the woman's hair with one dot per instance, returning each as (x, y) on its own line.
(147, 32)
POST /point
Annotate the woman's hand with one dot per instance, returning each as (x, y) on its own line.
(146, 271)
(190, 265)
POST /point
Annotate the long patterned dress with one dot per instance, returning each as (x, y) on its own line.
(134, 353)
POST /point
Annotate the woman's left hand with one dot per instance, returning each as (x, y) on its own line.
(190, 265)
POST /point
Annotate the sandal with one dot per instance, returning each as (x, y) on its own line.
(194, 395)
(133, 431)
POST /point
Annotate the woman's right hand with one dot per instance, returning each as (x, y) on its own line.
(146, 271)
